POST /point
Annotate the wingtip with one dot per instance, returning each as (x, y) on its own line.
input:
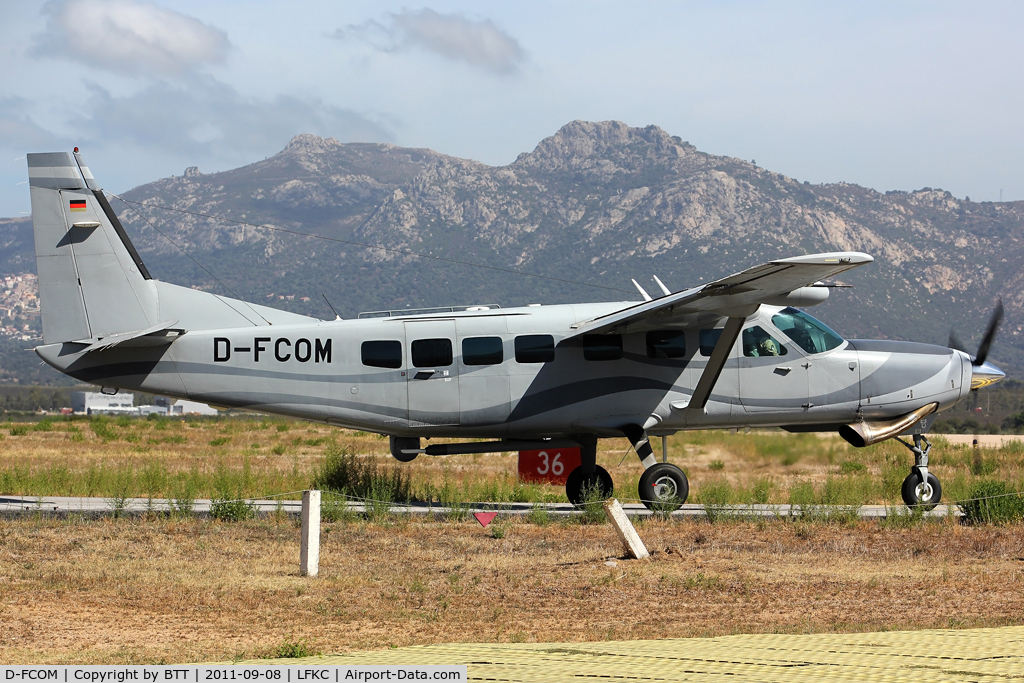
(853, 258)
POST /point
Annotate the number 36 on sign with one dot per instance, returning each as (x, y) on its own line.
(551, 466)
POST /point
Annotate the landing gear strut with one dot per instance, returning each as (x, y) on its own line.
(921, 489)
(663, 487)
(589, 479)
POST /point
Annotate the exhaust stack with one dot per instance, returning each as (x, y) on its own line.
(861, 434)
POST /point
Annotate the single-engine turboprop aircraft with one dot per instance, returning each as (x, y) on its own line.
(735, 352)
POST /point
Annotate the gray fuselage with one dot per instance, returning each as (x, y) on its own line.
(501, 380)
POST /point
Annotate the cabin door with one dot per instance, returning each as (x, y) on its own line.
(433, 374)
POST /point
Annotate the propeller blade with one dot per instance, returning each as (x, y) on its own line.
(954, 341)
(990, 334)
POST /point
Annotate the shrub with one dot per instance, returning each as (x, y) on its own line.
(593, 506)
(341, 471)
(715, 497)
(293, 649)
(235, 510)
(20, 430)
(992, 502)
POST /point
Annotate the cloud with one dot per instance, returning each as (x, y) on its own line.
(451, 36)
(206, 120)
(18, 131)
(129, 37)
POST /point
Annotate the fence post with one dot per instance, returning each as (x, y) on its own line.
(627, 534)
(309, 554)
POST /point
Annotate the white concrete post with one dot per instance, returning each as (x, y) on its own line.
(309, 555)
(627, 534)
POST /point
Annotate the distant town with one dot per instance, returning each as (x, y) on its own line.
(19, 306)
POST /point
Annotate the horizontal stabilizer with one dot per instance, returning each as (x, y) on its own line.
(156, 335)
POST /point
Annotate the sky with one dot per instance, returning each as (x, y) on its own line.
(894, 96)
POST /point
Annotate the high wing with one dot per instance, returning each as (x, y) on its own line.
(736, 296)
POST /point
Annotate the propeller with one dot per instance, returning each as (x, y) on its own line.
(986, 341)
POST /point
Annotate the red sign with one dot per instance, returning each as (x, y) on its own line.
(485, 518)
(550, 466)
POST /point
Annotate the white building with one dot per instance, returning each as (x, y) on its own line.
(171, 406)
(95, 403)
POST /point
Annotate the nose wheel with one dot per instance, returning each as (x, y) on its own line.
(663, 487)
(921, 489)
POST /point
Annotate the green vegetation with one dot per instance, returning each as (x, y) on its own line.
(182, 460)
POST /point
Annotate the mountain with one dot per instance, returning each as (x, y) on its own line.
(592, 206)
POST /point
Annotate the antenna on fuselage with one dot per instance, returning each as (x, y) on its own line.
(661, 284)
(336, 316)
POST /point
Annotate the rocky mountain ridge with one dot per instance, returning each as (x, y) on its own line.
(596, 204)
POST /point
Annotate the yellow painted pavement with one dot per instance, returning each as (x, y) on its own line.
(995, 654)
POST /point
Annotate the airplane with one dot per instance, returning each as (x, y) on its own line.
(735, 352)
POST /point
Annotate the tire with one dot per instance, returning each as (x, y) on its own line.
(663, 488)
(910, 495)
(400, 443)
(578, 485)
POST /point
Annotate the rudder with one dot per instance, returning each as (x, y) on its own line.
(92, 282)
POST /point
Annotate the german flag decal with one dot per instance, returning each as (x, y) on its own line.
(77, 205)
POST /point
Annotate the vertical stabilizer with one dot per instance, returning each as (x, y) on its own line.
(92, 282)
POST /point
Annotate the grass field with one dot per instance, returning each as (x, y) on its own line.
(247, 457)
(180, 589)
(159, 591)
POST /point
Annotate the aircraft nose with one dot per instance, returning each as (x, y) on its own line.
(985, 374)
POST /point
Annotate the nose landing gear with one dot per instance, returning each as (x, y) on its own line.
(921, 489)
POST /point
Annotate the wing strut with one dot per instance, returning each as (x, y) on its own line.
(715, 363)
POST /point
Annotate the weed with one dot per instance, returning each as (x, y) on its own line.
(279, 449)
(714, 496)
(293, 649)
(19, 430)
(282, 427)
(498, 530)
(334, 508)
(539, 515)
(117, 501)
(592, 506)
(992, 502)
(716, 465)
(851, 467)
(184, 499)
(102, 428)
(901, 517)
(221, 441)
(236, 510)
(342, 471)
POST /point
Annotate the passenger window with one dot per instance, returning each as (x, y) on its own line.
(431, 353)
(666, 344)
(382, 354)
(602, 346)
(810, 334)
(535, 348)
(708, 339)
(482, 351)
(757, 342)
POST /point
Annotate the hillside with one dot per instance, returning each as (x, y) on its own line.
(596, 203)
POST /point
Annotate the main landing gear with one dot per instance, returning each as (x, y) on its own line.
(663, 486)
(589, 480)
(921, 489)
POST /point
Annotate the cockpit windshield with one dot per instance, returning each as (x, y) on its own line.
(812, 335)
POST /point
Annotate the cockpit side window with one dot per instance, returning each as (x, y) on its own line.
(811, 335)
(757, 342)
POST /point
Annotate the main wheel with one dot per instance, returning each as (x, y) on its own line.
(919, 494)
(579, 486)
(663, 487)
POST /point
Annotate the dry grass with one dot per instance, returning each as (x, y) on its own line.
(157, 591)
(255, 457)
